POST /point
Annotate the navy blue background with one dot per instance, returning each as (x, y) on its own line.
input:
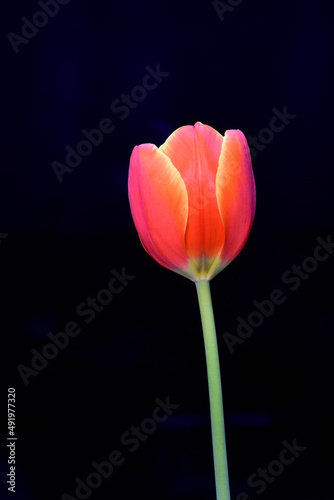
(59, 242)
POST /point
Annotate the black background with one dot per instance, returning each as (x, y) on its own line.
(61, 240)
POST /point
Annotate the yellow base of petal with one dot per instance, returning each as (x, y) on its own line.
(204, 268)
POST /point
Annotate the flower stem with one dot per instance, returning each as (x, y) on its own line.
(215, 390)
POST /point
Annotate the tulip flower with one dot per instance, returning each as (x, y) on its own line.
(193, 204)
(193, 199)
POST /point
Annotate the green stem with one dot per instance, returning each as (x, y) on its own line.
(215, 390)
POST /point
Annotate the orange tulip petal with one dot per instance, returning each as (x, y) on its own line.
(195, 152)
(236, 194)
(159, 205)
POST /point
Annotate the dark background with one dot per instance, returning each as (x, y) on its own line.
(60, 240)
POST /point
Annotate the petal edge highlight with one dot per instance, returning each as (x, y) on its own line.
(159, 205)
(236, 194)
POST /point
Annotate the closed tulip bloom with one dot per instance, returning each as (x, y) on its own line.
(193, 199)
